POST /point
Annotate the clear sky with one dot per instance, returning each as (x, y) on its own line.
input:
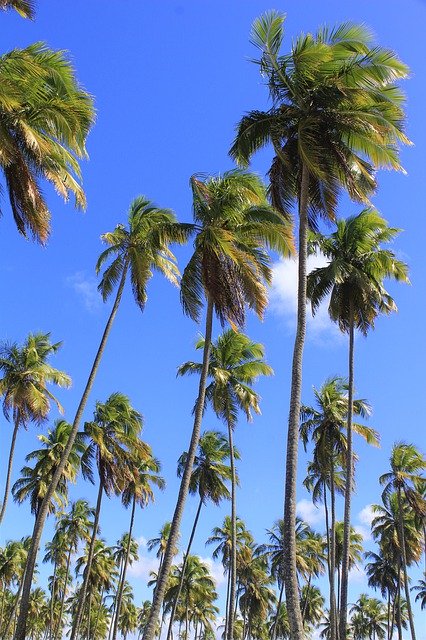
(170, 80)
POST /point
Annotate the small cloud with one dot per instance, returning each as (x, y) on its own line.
(142, 541)
(367, 515)
(356, 575)
(284, 298)
(309, 512)
(142, 568)
(363, 531)
(86, 288)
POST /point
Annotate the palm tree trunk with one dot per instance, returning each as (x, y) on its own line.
(228, 586)
(9, 468)
(404, 565)
(39, 525)
(58, 626)
(123, 576)
(289, 563)
(99, 613)
(233, 566)
(349, 485)
(333, 618)
(398, 605)
(52, 601)
(389, 612)
(158, 595)
(83, 595)
(182, 575)
(305, 604)
(14, 610)
(89, 613)
(277, 615)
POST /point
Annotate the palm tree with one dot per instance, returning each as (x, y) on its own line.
(115, 446)
(120, 553)
(312, 604)
(138, 491)
(26, 373)
(229, 267)
(161, 543)
(382, 575)
(257, 598)
(421, 596)
(209, 474)
(139, 250)
(234, 364)
(407, 463)
(324, 424)
(368, 619)
(45, 118)
(336, 115)
(34, 480)
(354, 279)
(355, 553)
(25, 8)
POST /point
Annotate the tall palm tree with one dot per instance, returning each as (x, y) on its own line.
(161, 543)
(355, 553)
(230, 267)
(312, 603)
(383, 575)
(368, 618)
(325, 424)
(138, 491)
(209, 474)
(257, 598)
(139, 250)
(407, 465)
(120, 554)
(336, 115)
(26, 374)
(354, 279)
(34, 480)
(45, 118)
(115, 446)
(235, 362)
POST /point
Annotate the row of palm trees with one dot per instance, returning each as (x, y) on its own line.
(336, 117)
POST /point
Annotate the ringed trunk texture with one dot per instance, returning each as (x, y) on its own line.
(348, 488)
(41, 519)
(82, 599)
(9, 468)
(182, 575)
(233, 558)
(158, 595)
(123, 575)
(289, 561)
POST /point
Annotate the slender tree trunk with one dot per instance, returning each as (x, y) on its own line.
(289, 564)
(228, 586)
(404, 565)
(39, 525)
(333, 617)
(182, 575)
(9, 468)
(277, 615)
(83, 595)
(99, 613)
(327, 527)
(388, 621)
(233, 558)
(398, 606)
(52, 600)
(123, 577)
(158, 595)
(89, 613)
(67, 572)
(14, 610)
(343, 613)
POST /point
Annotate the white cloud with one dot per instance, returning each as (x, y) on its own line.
(284, 298)
(86, 288)
(366, 515)
(356, 575)
(363, 531)
(309, 512)
(143, 567)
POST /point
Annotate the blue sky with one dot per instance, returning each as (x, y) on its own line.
(170, 81)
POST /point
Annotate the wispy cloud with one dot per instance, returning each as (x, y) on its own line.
(365, 516)
(86, 289)
(284, 299)
(309, 512)
(357, 575)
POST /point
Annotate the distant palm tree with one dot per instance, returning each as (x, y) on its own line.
(421, 595)
(335, 116)
(235, 362)
(230, 267)
(354, 279)
(137, 251)
(368, 619)
(26, 373)
(383, 575)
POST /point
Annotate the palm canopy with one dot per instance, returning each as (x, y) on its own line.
(356, 270)
(142, 247)
(407, 469)
(25, 8)
(234, 224)
(45, 117)
(235, 363)
(145, 476)
(26, 373)
(336, 111)
(210, 471)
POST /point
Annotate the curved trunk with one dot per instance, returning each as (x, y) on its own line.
(39, 525)
(158, 596)
(182, 575)
(333, 617)
(123, 576)
(404, 565)
(82, 599)
(289, 564)
(61, 613)
(277, 615)
(349, 486)
(9, 468)
(233, 558)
